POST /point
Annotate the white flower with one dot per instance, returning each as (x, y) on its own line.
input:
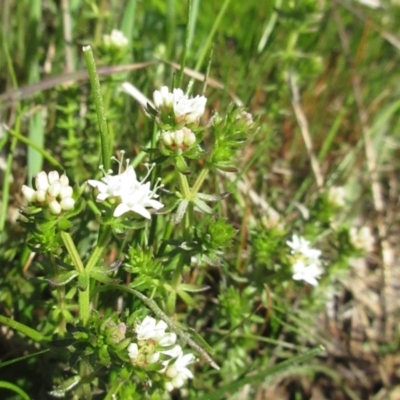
(163, 98)
(116, 39)
(178, 372)
(149, 328)
(308, 273)
(302, 246)
(136, 199)
(306, 264)
(362, 239)
(185, 109)
(131, 194)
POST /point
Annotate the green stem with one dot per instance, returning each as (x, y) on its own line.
(62, 323)
(106, 147)
(31, 333)
(84, 305)
(72, 251)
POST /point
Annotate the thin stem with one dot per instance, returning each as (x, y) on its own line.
(72, 251)
(186, 48)
(106, 147)
(84, 305)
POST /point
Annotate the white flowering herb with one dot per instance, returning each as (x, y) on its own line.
(184, 109)
(155, 346)
(116, 39)
(306, 263)
(125, 190)
(52, 190)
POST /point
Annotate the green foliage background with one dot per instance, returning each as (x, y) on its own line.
(343, 58)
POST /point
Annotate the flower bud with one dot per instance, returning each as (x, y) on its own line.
(41, 181)
(29, 193)
(166, 137)
(55, 207)
(53, 176)
(67, 203)
(178, 137)
(65, 191)
(41, 196)
(64, 180)
(54, 189)
(189, 137)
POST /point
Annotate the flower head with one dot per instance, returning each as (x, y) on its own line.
(116, 39)
(184, 108)
(127, 191)
(157, 350)
(178, 372)
(52, 190)
(181, 139)
(306, 264)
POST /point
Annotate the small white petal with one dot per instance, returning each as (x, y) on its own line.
(133, 350)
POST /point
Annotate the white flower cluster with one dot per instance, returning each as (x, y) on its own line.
(182, 138)
(127, 191)
(116, 39)
(306, 263)
(51, 189)
(181, 109)
(362, 238)
(185, 109)
(155, 346)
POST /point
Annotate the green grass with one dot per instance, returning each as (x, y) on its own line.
(257, 321)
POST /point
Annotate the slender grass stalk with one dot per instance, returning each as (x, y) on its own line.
(106, 146)
(25, 330)
(43, 152)
(210, 37)
(14, 142)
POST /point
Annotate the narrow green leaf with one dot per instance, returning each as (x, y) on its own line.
(14, 388)
(63, 279)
